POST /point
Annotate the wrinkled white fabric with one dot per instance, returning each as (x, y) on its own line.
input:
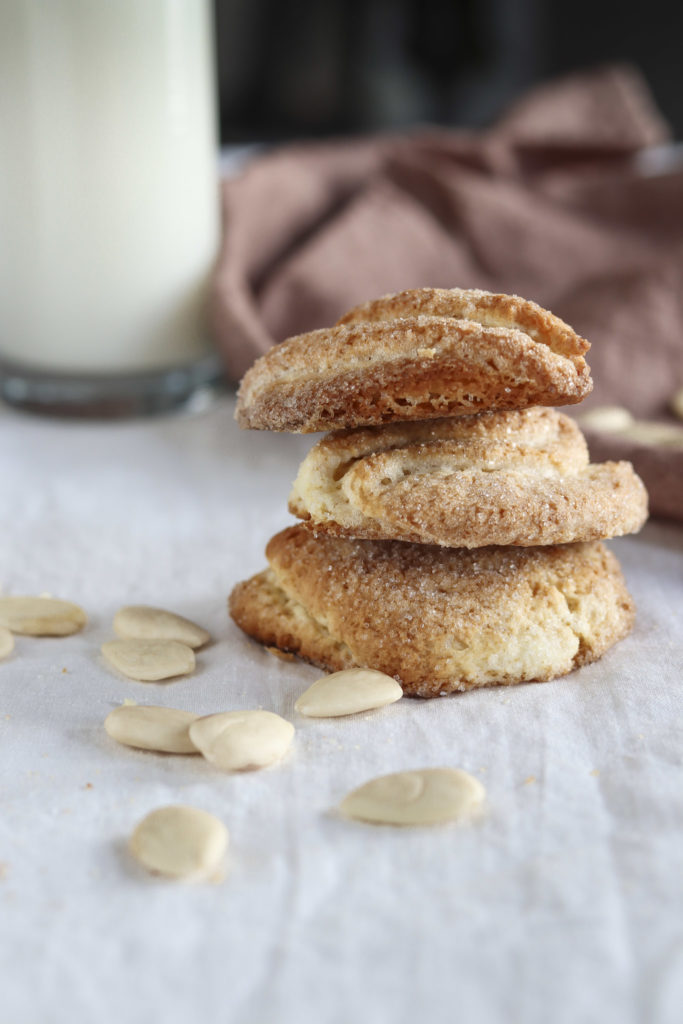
(563, 904)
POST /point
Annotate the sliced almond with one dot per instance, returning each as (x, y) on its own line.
(6, 642)
(143, 622)
(242, 740)
(152, 728)
(149, 660)
(41, 616)
(429, 796)
(347, 693)
(180, 842)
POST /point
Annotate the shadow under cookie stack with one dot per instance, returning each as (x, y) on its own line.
(451, 522)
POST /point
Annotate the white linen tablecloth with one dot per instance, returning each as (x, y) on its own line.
(562, 905)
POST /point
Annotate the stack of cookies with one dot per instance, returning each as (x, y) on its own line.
(451, 522)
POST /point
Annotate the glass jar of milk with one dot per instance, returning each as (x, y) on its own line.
(109, 205)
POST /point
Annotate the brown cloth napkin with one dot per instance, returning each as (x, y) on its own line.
(556, 203)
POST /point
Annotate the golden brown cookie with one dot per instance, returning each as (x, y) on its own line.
(437, 619)
(416, 358)
(490, 309)
(517, 477)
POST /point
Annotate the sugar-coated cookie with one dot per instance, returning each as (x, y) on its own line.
(516, 477)
(437, 619)
(415, 356)
(490, 309)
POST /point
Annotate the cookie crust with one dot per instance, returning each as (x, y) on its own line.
(519, 477)
(491, 309)
(415, 365)
(438, 620)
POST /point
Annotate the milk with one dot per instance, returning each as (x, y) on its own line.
(108, 183)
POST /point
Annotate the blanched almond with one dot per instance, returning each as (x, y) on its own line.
(152, 728)
(241, 740)
(149, 660)
(180, 842)
(347, 693)
(610, 418)
(429, 796)
(143, 622)
(41, 616)
(6, 642)
(676, 403)
(664, 435)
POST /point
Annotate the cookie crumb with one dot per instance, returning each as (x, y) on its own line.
(282, 655)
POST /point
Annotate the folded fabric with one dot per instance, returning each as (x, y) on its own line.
(553, 203)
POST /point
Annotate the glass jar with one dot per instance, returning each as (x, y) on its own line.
(109, 203)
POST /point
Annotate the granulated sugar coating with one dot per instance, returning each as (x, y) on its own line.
(490, 309)
(436, 619)
(416, 356)
(516, 477)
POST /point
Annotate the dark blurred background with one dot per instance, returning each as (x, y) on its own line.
(312, 68)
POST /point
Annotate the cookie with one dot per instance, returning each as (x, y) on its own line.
(490, 309)
(517, 477)
(436, 619)
(431, 362)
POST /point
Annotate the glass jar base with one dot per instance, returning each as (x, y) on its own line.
(90, 396)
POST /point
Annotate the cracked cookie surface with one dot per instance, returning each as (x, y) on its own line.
(437, 619)
(490, 309)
